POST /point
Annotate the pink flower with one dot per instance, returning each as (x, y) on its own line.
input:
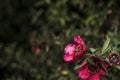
(91, 71)
(73, 51)
(36, 49)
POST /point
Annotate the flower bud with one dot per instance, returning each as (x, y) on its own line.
(114, 58)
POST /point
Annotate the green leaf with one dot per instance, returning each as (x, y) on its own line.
(65, 72)
(118, 67)
(90, 60)
(105, 46)
(79, 63)
(105, 50)
(92, 50)
(77, 67)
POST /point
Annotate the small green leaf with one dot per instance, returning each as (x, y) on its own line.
(65, 72)
(77, 67)
(105, 46)
(118, 67)
(93, 50)
(79, 63)
(90, 60)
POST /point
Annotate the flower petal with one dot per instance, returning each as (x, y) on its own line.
(79, 40)
(84, 74)
(84, 65)
(70, 49)
(96, 58)
(95, 76)
(80, 53)
(102, 71)
(106, 63)
(68, 58)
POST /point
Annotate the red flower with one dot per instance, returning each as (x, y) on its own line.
(93, 71)
(73, 51)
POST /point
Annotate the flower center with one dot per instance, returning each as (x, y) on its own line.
(113, 58)
(77, 52)
(94, 68)
(78, 48)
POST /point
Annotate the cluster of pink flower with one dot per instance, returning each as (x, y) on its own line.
(87, 70)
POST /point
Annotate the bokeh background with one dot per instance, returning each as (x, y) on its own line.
(34, 33)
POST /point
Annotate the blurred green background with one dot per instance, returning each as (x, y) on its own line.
(47, 26)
